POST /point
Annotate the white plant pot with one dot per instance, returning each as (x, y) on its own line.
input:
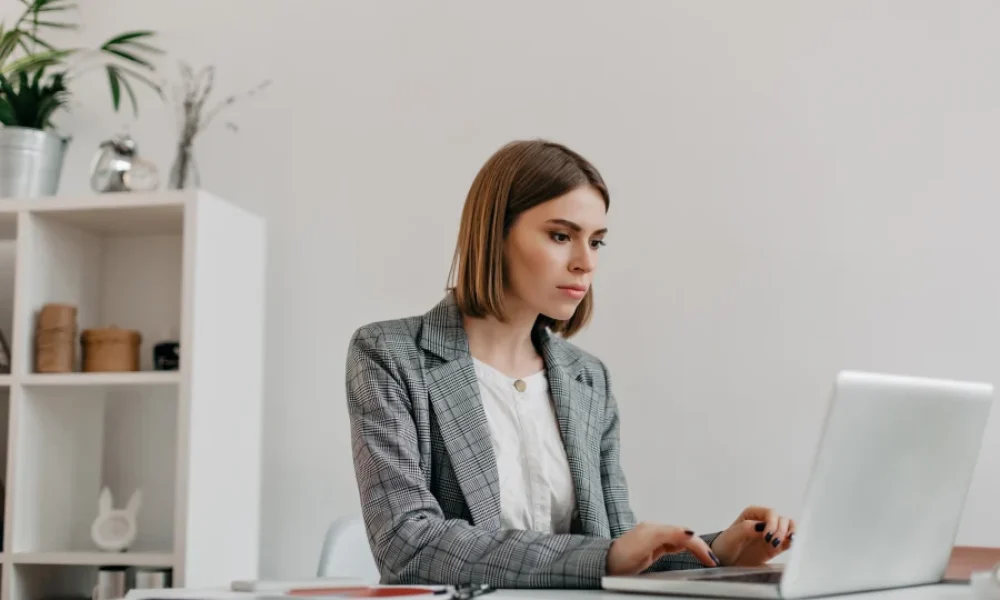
(31, 162)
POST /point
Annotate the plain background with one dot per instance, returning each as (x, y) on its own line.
(797, 187)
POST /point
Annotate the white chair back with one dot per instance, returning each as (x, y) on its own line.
(346, 552)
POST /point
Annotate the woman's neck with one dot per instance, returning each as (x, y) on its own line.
(506, 346)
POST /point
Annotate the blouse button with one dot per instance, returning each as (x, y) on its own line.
(519, 385)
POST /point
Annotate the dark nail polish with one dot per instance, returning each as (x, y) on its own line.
(715, 558)
(688, 532)
(767, 538)
(791, 537)
(776, 542)
(758, 527)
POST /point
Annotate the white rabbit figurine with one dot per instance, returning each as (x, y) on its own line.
(115, 529)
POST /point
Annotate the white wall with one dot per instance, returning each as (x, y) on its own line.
(797, 187)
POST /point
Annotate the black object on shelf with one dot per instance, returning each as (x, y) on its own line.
(166, 356)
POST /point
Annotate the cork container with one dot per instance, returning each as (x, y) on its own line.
(55, 339)
(110, 349)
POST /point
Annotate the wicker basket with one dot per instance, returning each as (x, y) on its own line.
(55, 339)
(110, 349)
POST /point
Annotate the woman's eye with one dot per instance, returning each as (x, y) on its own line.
(597, 244)
(560, 237)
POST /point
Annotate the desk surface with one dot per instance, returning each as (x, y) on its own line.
(930, 592)
(964, 561)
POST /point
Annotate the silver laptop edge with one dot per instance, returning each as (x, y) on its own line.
(885, 495)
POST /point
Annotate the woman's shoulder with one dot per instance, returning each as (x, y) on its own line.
(398, 333)
(403, 334)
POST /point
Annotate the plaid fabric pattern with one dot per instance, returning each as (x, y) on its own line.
(427, 476)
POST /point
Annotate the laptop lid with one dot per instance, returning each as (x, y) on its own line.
(888, 485)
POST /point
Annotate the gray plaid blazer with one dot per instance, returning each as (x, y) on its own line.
(427, 476)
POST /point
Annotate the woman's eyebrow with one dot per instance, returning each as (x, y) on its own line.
(573, 226)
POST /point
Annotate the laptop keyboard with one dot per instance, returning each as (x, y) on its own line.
(767, 577)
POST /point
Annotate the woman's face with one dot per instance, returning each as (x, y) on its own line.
(550, 254)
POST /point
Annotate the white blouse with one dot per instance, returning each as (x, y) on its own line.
(536, 487)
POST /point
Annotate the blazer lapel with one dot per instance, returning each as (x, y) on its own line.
(453, 392)
(575, 412)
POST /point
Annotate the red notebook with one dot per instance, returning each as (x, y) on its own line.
(368, 591)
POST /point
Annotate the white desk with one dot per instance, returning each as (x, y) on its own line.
(935, 592)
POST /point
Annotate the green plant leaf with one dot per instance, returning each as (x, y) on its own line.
(131, 95)
(136, 75)
(54, 7)
(129, 57)
(37, 80)
(116, 91)
(30, 99)
(8, 91)
(128, 36)
(29, 96)
(40, 6)
(7, 116)
(118, 80)
(11, 98)
(37, 61)
(8, 43)
(143, 47)
(53, 24)
(48, 106)
(34, 38)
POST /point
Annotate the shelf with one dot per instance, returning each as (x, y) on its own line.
(106, 214)
(113, 221)
(131, 278)
(125, 559)
(104, 380)
(74, 441)
(184, 267)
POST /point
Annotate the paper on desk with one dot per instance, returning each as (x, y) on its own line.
(282, 585)
(438, 592)
(311, 589)
(186, 593)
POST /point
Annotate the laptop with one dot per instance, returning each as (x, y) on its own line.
(883, 502)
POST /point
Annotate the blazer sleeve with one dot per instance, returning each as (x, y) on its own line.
(616, 494)
(412, 541)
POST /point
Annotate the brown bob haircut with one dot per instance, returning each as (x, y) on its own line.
(517, 177)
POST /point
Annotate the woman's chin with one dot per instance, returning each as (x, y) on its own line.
(561, 312)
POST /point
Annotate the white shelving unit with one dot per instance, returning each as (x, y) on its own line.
(182, 265)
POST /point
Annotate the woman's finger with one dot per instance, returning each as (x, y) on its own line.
(754, 530)
(780, 532)
(699, 548)
(754, 513)
(791, 534)
(770, 526)
(677, 539)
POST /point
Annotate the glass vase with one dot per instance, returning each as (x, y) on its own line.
(184, 172)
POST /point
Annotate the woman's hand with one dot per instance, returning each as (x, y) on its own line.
(636, 550)
(755, 537)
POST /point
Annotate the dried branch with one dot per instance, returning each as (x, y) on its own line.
(232, 100)
(191, 96)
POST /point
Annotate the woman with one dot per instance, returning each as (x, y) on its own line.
(486, 446)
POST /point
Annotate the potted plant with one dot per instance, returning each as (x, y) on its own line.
(35, 81)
